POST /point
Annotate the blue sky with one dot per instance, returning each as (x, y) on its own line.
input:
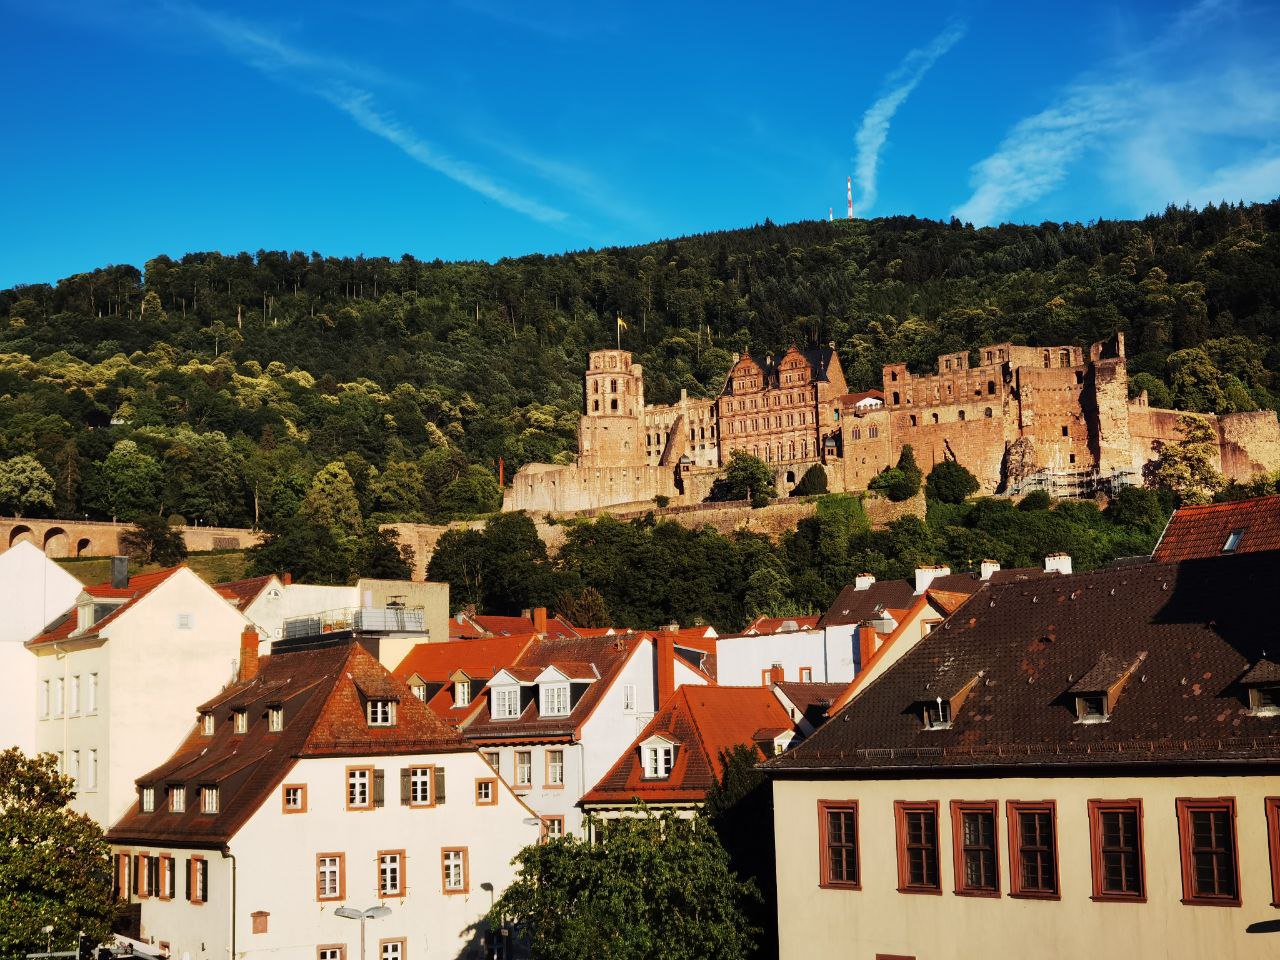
(469, 129)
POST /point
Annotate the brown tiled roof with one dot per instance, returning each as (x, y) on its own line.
(1203, 531)
(1106, 673)
(245, 591)
(1203, 624)
(324, 715)
(606, 655)
(705, 722)
(473, 626)
(852, 605)
(811, 699)
(1265, 671)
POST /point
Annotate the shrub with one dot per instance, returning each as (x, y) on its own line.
(1036, 500)
(813, 482)
(949, 482)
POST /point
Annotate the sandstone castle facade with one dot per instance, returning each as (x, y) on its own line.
(1021, 418)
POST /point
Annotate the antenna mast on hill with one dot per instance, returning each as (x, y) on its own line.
(849, 186)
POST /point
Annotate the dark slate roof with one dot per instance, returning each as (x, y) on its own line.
(324, 715)
(1106, 673)
(852, 605)
(1203, 624)
(811, 699)
(1203, 531)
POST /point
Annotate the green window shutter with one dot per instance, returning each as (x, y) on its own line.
(377, 788)
(439, 785)
(405, 789)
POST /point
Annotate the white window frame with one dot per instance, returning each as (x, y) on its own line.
(658, 761)
(390, 866)
(275, 718)
(391, 949)
(91, 694)
(241, 718)
(73, 696)
(177, 799)
(91, 771)
(184, 621)
(484, 792)
(381, 713)
(462, 693)
(506, 703)
(46, 699)
(555, 768)
(74, 771)
(148, 799)
(421, 786)
(330, 879)
(208, 723)
(419, 690)
(455, 870)
(331, 953)
(57, 704)
(209, 800)
(628, 698)
(524, 771)
(494, 759)
(298, 793)
(554, 699)
(360, 788)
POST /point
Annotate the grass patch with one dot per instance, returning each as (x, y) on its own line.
(216, 566)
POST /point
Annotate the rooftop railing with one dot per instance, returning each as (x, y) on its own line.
(357, 620)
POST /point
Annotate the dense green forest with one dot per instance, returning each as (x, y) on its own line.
(215, 387)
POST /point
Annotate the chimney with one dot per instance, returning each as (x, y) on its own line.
(539, 619)
(527, 613)
(248, 655)
(776, 674)
(863, 581)
(926, 576)
(286, 578)
(866, 645)
(665, 647)
(1058, 563)
(990, 568)
(119, 572)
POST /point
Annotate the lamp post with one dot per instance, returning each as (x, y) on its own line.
(373, 913)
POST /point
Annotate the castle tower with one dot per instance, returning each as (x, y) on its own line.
(610, 432)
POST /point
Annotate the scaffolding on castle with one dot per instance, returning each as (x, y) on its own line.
(1075, 484)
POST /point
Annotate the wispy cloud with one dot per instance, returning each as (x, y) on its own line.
(1151, 117)
(344, 84)
(874, 130)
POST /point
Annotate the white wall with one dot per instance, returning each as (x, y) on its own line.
(276, 868)
(268, 613)
(33, 592)
(828, 654)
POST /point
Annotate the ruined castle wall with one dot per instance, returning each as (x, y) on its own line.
(542, 488)
(1107, 405)
(1051, 415)
(867, 444)
(695, 421)
(1250, 444)
(1152, 427)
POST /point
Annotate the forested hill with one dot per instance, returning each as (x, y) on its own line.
(220, 384)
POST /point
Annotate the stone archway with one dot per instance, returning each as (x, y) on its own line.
(83, 546)
(57, 543)
(20, 534)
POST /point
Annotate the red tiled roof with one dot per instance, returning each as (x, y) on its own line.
(1203, 531)
(768, 625)
(851, 399)
(469, 627)
(705, 722)
(607, 655)
(324, 716)
(244, 591)
(139, 586)
(479, 659)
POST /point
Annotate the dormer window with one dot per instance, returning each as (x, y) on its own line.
(1097, 692)
(177, 798)
(658, 761)
(461, 693)
(208, 799)
(1233, 541)
(506, 703)
(275, 718)
(241, 721)
(148, 799)
(1092, 708)
(937, 715)
(381, 713)
(1264, 701)
(555, 700)
(207, 723)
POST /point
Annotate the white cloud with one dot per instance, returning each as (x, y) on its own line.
(874, 129)
(342, 84)
(1150, 120)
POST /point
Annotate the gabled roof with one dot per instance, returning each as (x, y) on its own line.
(437, 663)
(852, 605)
(606, 656)
(1203, 531)
(246, 591)
(138, 587)
(704, 722)
(853, 399)
(1203, 624)
(768, 625)
(324, 716)
(810, 700)
(465, 626)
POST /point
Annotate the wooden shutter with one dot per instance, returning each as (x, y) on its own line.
(190, 866)
(405, 786)
(203, 886)
(439, 785)
(378, 790)
(140, 875)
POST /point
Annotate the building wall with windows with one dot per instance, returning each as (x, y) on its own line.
(806, 656)
(281, 909)
(36, 590)
(171, 650)
(874, 917)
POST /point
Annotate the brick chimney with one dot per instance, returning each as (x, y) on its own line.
(665, 650)
(866, 645)
(863, 581)
(539, 619)
(926, 576)
(248, 655)
(286, 578)
(1058, 563)
(776, 674)
(119, 572)
(989, 569)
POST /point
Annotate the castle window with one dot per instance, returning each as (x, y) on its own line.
(595, 386)
(948, 364)
(1046, 359)
(1001, 353)
(893, 375)
(873, 432)
(856, 433)
(913, 419)
(613, 404)
(987, 413)
(1071, 458)
(1064, 358)
(1079, 376)
(991, 387)
(804, 449)
(613, 386)
(988, 356)
(1064, 431)
(595, 406)
(935, 418)
(793, 449)
(960, 415)
(896, 398)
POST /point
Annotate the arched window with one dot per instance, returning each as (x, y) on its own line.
(991, 387)
(613, 386)
(1064, 358)
(804, 449)
(913, 419)
(779, 453)
(755, 451)
(793, 449)
(960, 415)
(595, 386)
(893, 375)
(856, 433)
(987, 412)
(702, 433)
(873, 432)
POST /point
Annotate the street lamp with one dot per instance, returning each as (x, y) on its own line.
(48, 932)
(373, 913)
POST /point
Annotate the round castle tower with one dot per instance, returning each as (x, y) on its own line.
(610, 432)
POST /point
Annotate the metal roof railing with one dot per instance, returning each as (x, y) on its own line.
(358, 620)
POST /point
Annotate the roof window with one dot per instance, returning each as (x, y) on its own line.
(381, 713)
(1262, 682)
(936, 712)
(506, 703)
(1233, 541)
(659, 755)
(1095, 694)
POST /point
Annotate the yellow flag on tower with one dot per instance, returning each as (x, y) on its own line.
(622, 325)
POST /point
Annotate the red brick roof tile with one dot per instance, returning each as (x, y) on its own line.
(138, 587)
(1203, 531)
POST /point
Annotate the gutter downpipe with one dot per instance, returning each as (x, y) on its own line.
(226, 855)
(61, 654)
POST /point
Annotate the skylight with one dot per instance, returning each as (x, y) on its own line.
(1233, 541)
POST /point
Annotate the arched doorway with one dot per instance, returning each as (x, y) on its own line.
(56, 543)
(83, 546)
